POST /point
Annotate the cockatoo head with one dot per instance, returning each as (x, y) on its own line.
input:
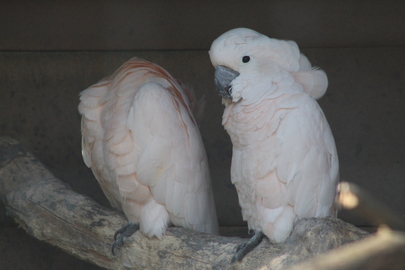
(245, 59)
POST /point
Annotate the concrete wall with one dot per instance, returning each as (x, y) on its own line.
(50, 51)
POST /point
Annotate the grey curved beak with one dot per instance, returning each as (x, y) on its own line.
(223, 81)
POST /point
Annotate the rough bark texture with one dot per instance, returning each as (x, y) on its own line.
(50, 211)
(384, 251)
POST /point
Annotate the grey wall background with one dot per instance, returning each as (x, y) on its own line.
(52, 50)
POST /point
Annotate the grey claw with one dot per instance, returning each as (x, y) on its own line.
(125, 231)
(244, 249)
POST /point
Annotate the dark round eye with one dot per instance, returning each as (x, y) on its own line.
(245, 59)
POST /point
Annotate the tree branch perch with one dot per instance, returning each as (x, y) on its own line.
(50, 211)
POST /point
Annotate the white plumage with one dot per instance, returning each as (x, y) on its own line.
(284, 163)
(142, 142)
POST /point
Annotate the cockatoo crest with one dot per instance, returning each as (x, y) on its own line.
(266, 55)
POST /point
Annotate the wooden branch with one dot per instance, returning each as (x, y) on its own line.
(385, 250)
(50, 211)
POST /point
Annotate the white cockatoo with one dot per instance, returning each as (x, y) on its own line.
(284, 162)
(141, 140)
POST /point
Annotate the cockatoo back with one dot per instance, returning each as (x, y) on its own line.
(142, 142)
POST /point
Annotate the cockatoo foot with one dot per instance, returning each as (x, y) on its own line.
(125, 231)
(244, 249)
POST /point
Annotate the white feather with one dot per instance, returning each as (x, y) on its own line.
(284, 162)
(142, 142)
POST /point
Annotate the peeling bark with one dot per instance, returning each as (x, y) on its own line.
(50, 211)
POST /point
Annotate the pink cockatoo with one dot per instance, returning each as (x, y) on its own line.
(284, 162)
(141, 140)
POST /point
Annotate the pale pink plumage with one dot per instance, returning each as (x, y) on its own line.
(141, 140)
(284, 162)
